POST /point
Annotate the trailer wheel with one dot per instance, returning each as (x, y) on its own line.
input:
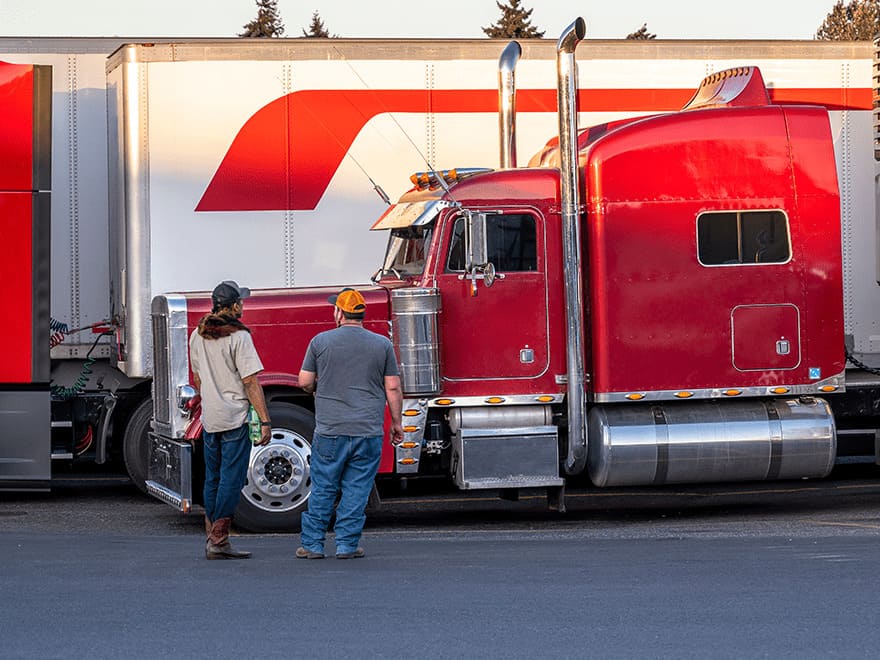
(136, 444)
(279, 475)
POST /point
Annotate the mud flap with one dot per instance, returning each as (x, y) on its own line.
(169, 475)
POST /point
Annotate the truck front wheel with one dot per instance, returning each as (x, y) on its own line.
(279, 476)
(136, 443)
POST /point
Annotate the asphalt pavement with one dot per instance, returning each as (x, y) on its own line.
(741, 571)
(442, 596)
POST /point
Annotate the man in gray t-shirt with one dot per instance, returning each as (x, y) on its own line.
(353, 373)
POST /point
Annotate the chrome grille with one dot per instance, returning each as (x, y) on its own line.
(161, 376)
(170, 364)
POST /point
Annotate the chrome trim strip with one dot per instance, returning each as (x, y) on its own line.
(514, 400)
(837, 381)
(295, 50)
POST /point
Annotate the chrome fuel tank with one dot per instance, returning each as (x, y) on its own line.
(635, 445)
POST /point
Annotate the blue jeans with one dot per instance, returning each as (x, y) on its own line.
(226, 461)
(343, 463)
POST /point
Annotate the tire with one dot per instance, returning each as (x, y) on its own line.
(136, 444)
(279, 475)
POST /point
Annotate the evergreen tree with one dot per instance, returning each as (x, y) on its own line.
(857, 20)
(316, 28)
(641, 33)
(513, 24)
(267, 23)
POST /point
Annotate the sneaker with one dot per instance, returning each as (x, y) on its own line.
(357, 554)
(302, 553)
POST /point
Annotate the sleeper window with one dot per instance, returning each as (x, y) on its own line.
(742, 237)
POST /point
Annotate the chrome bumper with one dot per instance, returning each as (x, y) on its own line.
(170, 472)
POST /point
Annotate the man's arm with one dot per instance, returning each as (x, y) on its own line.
(307, 380)
(254, 392)
(394, 396)
(197, 382)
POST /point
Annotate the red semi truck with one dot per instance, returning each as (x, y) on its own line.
(166, 146)
(653, 300)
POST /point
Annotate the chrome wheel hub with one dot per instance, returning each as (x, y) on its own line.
(278, 477)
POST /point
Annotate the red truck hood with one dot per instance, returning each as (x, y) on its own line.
(299, 305)
(283, 321)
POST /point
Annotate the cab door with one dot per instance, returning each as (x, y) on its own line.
(501, 331)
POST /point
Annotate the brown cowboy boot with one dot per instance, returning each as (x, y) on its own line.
(208, 527)
(218, 546)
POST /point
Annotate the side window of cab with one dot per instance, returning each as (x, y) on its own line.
(511, 242)
(743, 237)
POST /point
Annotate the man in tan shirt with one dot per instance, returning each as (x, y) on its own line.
(225, 365)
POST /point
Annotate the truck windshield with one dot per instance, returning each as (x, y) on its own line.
(407, 250)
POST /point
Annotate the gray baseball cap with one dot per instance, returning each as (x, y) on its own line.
(228, 293)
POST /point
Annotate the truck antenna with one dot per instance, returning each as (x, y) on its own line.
(397, 123)
(375, 185)
(381, 192)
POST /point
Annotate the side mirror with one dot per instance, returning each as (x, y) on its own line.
(476, 255)
(477, 250)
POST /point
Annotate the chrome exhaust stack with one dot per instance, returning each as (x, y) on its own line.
(569, 176)
(507, 104)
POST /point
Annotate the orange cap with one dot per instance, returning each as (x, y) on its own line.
(349, 300)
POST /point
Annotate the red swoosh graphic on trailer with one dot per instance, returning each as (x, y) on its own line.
(285, 155)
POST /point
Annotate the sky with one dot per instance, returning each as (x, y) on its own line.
(668, 19)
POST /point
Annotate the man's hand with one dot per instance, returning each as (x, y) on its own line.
(396, 434)
(254, 392)
(265, 436)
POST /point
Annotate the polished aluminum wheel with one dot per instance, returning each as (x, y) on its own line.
(279, 478)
